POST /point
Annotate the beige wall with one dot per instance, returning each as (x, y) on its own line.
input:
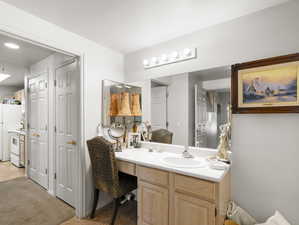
(267, 33)
(265, 147)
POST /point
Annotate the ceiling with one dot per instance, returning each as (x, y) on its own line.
(27, 55)
(130, 25)
(16, 61)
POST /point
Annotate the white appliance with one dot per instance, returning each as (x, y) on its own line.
(10, 117)
(17, 148)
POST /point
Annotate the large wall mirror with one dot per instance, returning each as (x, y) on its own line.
(192, 106)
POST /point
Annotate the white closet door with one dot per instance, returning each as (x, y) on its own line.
(158, 107)
(67, 108)
(38, 128)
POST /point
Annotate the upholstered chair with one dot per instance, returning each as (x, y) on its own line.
(162, 136)
(106, 176)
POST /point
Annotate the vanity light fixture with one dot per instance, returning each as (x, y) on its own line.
(174, 57)
(11, 45)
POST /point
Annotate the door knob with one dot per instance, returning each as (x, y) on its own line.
(72, 142)
(35, 135)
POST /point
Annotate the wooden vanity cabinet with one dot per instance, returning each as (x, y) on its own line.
(190, 210)
(166, 198)
(152, 204)
(194, 201)
(153, 196)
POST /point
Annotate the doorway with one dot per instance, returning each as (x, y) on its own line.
(50, 92)
(159, 108)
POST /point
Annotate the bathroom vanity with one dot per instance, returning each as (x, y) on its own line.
(175, 191)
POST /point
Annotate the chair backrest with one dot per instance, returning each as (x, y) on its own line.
(104, 167)
(162, 136)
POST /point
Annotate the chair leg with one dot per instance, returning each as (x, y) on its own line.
(95, 202)
(116, 206)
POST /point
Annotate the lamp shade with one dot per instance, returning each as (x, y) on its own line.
(125, 105)
(114, 104)
(136, 109)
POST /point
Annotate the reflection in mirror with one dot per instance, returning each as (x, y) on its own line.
(121, 104)
(192, 106)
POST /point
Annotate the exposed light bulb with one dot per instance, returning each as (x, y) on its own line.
(164, 58)
(145, 62)
(187, 52)
(175, 55)
(11, 45)
(154, 60)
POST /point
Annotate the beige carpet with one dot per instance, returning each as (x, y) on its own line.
(22, 202)
(127, 215)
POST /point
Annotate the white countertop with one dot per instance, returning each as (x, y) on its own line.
(155, 160)
(17, 132)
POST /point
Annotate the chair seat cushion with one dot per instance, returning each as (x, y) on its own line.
(127, 183)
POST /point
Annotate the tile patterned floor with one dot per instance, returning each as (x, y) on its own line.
(9, 171)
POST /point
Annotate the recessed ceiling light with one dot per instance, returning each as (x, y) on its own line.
(4, 76)
(11, 45)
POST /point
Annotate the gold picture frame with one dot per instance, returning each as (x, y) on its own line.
(266, 86)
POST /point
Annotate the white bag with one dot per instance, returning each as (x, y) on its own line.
(277, 219)
(239, 215)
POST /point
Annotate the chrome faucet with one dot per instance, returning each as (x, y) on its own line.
(187, 154)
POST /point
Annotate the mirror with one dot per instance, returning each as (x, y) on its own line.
(121, 104)
(192, 106)
(116, 132)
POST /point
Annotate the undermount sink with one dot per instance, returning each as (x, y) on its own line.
(183, 162)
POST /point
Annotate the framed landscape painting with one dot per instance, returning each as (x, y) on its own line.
(266, 86)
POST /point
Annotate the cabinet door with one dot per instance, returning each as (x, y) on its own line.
(152, 205)
(190, 210)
